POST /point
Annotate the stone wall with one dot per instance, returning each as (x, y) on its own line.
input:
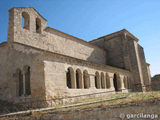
(155, 83)
(149, 72)
(123, 51)
(49, 72)
(146, 77)
(50, 39)
(114, 50)
(18, 58)
(3, 70)
(56, 81)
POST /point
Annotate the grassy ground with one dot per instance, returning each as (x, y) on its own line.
(131, 98)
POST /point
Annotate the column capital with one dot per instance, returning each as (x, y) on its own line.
(110, 74)
(121, 76)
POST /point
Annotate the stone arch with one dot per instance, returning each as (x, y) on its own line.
(38, 25)
(102, 80)
(25, 20)
(108, 85)
(20, 82)
(117, 82)
(70, 78)
(86, 79)
(27, 80)
(79, 78)
(97, 80)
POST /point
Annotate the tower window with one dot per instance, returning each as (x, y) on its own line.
(25, 20)
(38, 25)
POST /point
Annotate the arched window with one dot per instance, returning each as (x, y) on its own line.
(38, 25)
(117, 82)
(97, 80)
(70, 78)
(78, 78)
(125, 80)
(107, 81)
(86, 79)
(20, 82)
(102, 80)
(25, 20)
(27, 81)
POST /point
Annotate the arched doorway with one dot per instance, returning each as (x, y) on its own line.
(117, 82)
(70, 78)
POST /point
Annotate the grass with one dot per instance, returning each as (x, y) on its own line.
(133, 97)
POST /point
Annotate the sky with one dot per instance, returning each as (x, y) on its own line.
(90, 19)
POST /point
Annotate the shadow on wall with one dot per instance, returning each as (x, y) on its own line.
(97, 57)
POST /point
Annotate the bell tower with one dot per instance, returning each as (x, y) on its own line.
(24, 24)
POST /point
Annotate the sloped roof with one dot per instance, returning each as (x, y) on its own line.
(117, 33)
(71, 36)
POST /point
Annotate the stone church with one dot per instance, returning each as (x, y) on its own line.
(41, 62)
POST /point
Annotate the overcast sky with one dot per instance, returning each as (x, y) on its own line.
(90, 19)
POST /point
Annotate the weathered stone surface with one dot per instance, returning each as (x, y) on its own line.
(123, 51)
(155, 82)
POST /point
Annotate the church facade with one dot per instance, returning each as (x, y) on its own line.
(40, 62)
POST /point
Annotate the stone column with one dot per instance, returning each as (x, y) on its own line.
(111, 81)
(122, 84)
(92, 81)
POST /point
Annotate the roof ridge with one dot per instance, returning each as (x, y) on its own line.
(116, 33)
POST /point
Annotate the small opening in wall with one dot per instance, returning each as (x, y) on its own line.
(20, 81)
(38, 25)
(25, 20)
(27, 81)
(117, 82)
